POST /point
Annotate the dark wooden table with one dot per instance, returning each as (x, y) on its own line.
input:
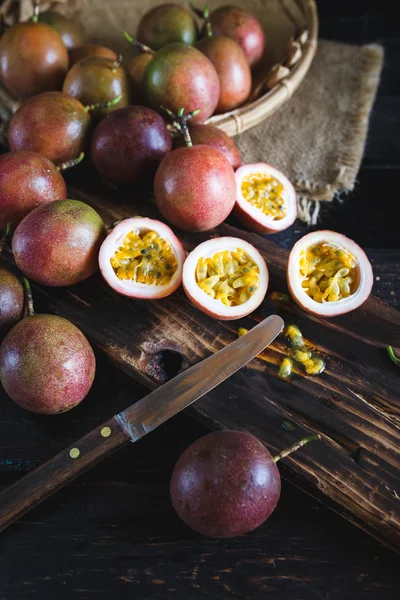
(114, 535)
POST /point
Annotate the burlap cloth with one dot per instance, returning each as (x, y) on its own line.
(317, 138)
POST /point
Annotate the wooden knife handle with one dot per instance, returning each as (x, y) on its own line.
(33, 488)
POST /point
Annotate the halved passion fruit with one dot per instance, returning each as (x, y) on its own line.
(142, 258)
(328, 274)
(226, 277)
(265, 198)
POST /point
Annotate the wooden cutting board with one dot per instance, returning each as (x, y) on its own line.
(354, 404)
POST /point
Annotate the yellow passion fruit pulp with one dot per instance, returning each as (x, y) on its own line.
(328, 273)
(264, 192)
(145, 257)
(230, 276)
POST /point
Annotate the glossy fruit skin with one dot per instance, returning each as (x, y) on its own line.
(53, 124)
(181, 76)
(136, 69)
(165, 24)
(33, 59)
(11, 301)
(225, 484)
(86, 50)
(27, 179)
(210, 135)
(195, 188)
(241, 26)
(71, 34)
(46, 364)
(233, 70)
(57, 244)
(129, 144)
(93, 80)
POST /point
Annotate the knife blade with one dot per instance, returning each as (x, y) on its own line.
(135, 422)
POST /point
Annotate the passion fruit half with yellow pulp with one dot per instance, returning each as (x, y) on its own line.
(227, 278)
(328, 274)
(142, 258)
(265, 198)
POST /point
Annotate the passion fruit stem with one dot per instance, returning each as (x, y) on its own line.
(296, 446)
(28, 297)
(4, 237)
(117, 63)
(392, 356)
(180, 122)
(205, 15)
(36, 11)
(107, 104)
(142, 47)
(71, 163)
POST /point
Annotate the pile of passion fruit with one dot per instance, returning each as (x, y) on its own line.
(138, 121)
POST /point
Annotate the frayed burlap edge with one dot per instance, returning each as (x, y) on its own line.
(367, 75)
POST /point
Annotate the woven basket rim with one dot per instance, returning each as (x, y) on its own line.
(255, 112)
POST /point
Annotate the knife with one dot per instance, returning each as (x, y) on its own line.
(135, 422)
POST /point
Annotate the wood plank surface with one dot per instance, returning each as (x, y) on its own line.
(354, 404)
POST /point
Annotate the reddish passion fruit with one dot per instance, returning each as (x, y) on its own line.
(194, 187)
(129, 144)
(165, 24)
(241, 26)
(136, 69)
(227, 278)
(180, 75)
(11, 295)
(27, 180)
(57, 244)
(328, 274)
(70, 32)
(33, 59)
(142, 258)
(209, 135)
(47, 365)
(265, 199)
(87, 50)
(53, 124)
(227, 483)
(97, 81)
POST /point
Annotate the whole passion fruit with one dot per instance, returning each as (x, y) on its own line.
(226, 277)
(27, 180)
(97, 80)
(142, 258)
(136, 69)
(328, 274)
(233, 70)
(57, 244)
(11, 301)
(70, 32)
(46, 364)
(265, 199)
(129, 144)
(165, 24)
(210, 135)
(225, 484)
(241, 26)
(87, 50)
(53, 124)
(33, 59)
(180, 75)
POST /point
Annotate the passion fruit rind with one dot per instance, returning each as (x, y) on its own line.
(265, 198)
(328, 274)
(227, 278)
(142, 258)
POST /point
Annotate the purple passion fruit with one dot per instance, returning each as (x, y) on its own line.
(71, 34)
(27, 180)
(136, 69)
(87, 50)
(46, 364)
(53, 124)
(209, 135)
(165, 24)
(11, 301)
(57, 244)
(33, 59)
(130, 144)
